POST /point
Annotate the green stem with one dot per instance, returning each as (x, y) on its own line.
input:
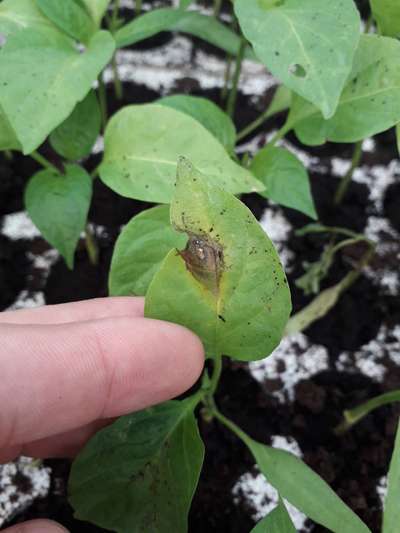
(253, 125)
(91, 246)
(231, 426)
(216, 375)
(230, 107)
(227, 75)
(117, 82)
(43, 161)
(280, 134)
(217, 8)
(102, 101)
(345, 181)
(138, 7)
(114, 17)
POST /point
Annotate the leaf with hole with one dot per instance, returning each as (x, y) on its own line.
(140, 473)
(69, 17)
(43, 78)
(75, 137)
(277, 521)
(369, 104)
(308, 44)
(143, 144)
(58, 205)
(228, 285)
(208, 114)
(140, 249)
(285, 178)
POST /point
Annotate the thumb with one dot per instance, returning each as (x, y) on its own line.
(37, 526)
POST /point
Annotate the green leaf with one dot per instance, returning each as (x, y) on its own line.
(143, 144)
(75, 137)
(44, 76)
(387, 15)
(16, 15)
(278, 521)
(69, 17)
(184, 4)
(280, 101)
(140, 250)
(140, 473)
(285, 178)
(308, 44)
(8, 139)
(208, 114)
(167, 19)
(391, 516)
(370, 102)
(228, 286)
(58, 205)
(304, 489)
(97, 8)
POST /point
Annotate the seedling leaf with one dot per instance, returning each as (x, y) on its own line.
(16, 15)
(69, 17)
(97, 8)
(277, 521)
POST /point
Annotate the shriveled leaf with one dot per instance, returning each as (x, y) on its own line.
(58, 205)
(69, 17)
(140, 473)
(75, 137)
(143, 144)
(308, 44)
(208, 114)
(278, 521)
(97, 9)
(228, 285)
(140, 250)
(8, 140)
(387, 15)
(304, 489)
(391, 516)
(16, 15)
(285, 178)
(44, 76)
(370, 102)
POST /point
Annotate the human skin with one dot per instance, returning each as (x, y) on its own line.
(68, 370)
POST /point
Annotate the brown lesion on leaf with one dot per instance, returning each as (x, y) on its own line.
(204, 258)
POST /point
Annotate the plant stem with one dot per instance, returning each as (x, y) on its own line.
(253, 125)
(138, 7)
(117, 82)
(114, 17)
(216, 375)
(227, 75)
(231, 426)
(39, 158)
(91, 246)
(280, 134)
(102, 101)
(230, 107)
(217, 8)
(345, 181)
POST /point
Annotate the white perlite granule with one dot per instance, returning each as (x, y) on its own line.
(19, 226)
(35, 479)
(278, 228)
(381, 489)
(254, 488)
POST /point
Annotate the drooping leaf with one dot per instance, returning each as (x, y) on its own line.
(8, 140)
(140, 473)
(228, 285)
(308, 44)
(43, 77)
(277, 521)
(69, 17)
(75, 137)
(143, 144)
(58, 205)
(285, 178)
(167, 19)
(140, 250)
(97, 8)
(208, 114)
(369, 104)
(16, 15)
(304, 489)
(387, 15)
(391, 516)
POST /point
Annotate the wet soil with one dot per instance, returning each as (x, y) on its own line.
(353, 464)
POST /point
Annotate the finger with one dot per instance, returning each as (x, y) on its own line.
(76, 311)
(57, 378)
(37, 526)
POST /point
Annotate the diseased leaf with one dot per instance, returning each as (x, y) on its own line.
(140, 473)
(8, 140)
(310, 44)
(228, 285)
(44, 76)
(304, 489)
(278, 521)
(391, 516)
(285, 178)
(370, 102)
(387, 15)
(97, 9)
(69, 17)
(16, 15)
(140, 250)
(75, 137)
(208, 114)
(58, 205)
(143, 144)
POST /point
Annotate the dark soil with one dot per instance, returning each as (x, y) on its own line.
(353, 463)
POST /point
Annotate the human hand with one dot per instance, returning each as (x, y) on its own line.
(67, 370)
